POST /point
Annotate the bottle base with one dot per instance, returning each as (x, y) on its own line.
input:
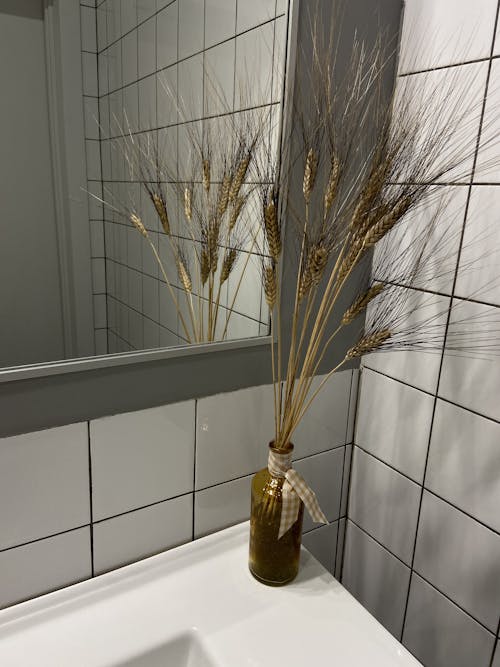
(268, 582)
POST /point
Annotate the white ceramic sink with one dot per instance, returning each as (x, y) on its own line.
(186, 650)
(198, 606)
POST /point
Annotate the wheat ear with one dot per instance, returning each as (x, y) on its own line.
(361, 303)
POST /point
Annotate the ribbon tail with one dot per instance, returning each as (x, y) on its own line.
(307, 495)
(289, 509)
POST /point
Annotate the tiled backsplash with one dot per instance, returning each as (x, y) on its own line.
(423, 536)
(78, 500)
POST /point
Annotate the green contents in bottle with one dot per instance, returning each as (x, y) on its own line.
(272, 561)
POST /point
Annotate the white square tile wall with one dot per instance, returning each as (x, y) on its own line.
(431, 422)
(140, 458)
(82, 499)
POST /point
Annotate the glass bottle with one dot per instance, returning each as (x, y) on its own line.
(273, 561)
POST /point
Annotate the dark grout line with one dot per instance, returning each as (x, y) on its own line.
(196, 53)
(496, 645)
(183, 122)
(418, 574)
(160, 281)
(45, 537)
(428, 490)
(439, 68)
(428, 393)
(142, 507)
(194, 464)
(91, 501)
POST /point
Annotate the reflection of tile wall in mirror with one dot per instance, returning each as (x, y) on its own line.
(212, 58)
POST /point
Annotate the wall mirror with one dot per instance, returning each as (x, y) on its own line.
(136, 135)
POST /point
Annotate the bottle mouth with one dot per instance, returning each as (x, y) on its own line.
(281, 450)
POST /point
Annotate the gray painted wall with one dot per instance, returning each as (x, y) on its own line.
(31, 327)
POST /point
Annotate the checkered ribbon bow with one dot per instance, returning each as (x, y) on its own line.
(295, 489)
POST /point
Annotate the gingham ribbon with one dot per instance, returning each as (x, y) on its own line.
(295, 489)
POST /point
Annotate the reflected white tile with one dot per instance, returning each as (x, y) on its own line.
(394, 423)
(91, 118)
(460, 557)
(96, 238)
(116, 113)
(190, 90)
(384, 503)
(141, 457)
(136, 330)
(151, 334)
(93, 157)
(191, 27)
(279, 55)
(147, 103)
(102, 64)
(166, 36)
(322, 544)
(445, 32)
(221, 506)
(219, 78)
(130, 108)
(220, 21)
(147, 47)
(43, 566)
(89, 65)
(113, 12)
(244, 285)
(470, 373)
(145, 9)
(114, 59)
(166, 91)
(102, 40)
(99, 311)
(44, 483)
(478, 274)
(145, 532)
(128, 15)
(464, 462)
(325, 423)
(101, 341)
(376, 578)
(88, 29)
(254, 66)
(233, 431)
(440, 634)
(150, 298)
(129, 57)
(323, 473)
(251, 14)
(240, 326)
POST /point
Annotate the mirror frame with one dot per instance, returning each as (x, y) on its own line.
(50, 394)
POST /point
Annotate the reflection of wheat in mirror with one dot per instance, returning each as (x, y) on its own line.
(202, 199)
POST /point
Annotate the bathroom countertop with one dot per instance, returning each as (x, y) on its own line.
(198, 606)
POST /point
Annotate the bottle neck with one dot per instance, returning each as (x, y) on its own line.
(279, 462)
